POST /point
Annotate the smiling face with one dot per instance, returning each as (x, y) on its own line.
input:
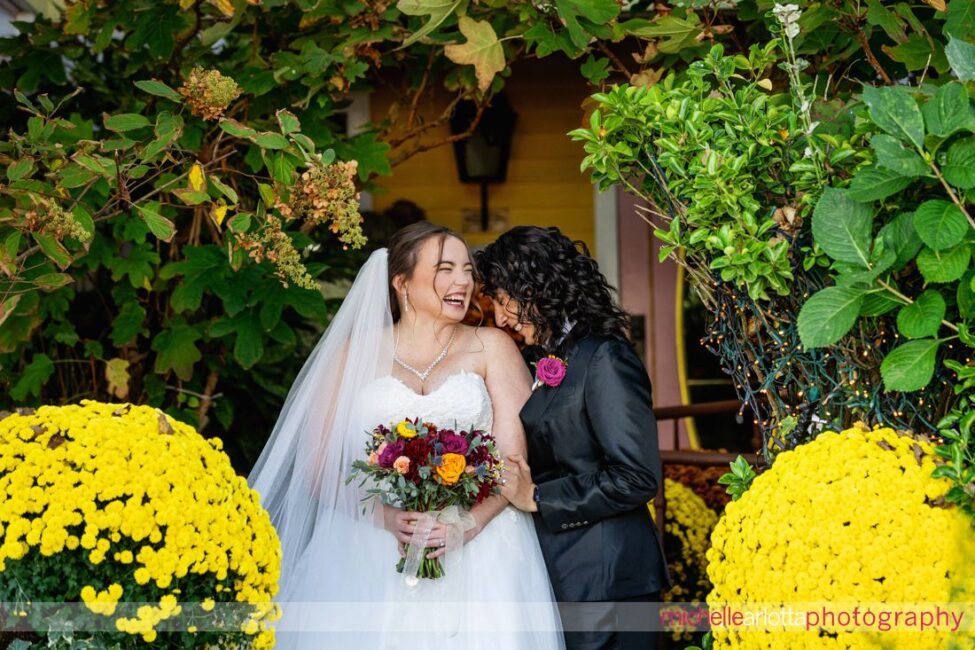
(442, 280)
(506, 311)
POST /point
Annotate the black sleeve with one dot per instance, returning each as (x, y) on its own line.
(620, 409)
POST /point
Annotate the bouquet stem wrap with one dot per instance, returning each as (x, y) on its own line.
(416, 564)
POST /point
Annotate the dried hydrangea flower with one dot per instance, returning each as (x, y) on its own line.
(208, 92)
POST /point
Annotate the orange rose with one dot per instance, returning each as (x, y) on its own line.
(452, 467)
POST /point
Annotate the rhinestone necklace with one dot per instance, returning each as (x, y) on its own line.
(426, 373)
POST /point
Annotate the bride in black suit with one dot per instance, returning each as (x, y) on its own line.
(591, 437)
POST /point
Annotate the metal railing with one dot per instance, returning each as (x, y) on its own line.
(678, 456)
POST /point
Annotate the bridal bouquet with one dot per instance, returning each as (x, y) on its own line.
(418, 467)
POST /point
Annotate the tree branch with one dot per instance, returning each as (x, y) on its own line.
(872, 58)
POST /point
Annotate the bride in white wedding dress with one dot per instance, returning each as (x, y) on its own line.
(397, 350)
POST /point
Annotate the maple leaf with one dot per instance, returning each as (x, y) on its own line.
(482, 50)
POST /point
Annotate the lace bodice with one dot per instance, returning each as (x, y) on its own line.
(461, 401)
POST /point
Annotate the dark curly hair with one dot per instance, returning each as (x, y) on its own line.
(553, 281)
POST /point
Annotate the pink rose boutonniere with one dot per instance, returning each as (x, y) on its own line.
(549, 371)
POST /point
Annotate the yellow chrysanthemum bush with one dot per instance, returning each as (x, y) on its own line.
(140, 518)
(850, 519)
(687, 538)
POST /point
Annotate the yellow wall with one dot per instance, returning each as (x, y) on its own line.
(544, 186)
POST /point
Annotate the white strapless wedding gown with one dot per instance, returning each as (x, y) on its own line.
(496, 595)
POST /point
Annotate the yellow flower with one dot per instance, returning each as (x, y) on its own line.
(406, 429)
(451, 468)
(836, 520)
(116, 477)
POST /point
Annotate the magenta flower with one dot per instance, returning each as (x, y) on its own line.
(550, 371)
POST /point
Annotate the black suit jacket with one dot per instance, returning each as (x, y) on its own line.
(593, 451)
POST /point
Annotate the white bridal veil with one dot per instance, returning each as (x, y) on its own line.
(301, 474)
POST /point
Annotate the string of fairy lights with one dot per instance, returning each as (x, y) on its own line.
(825, 388)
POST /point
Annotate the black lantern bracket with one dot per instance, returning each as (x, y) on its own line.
(483, 156)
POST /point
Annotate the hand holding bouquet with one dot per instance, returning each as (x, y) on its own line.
(416, 466)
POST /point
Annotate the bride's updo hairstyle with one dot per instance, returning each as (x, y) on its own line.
(404, 253)
(553, 281)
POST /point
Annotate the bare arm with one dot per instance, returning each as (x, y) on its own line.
(509, 385)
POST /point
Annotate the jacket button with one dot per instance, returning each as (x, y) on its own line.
(564, 526)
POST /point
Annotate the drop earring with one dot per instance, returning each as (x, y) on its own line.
(406, 300)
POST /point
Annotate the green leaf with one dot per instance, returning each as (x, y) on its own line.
(74, 175)
(240, 223)
(959, 169)
(125, 122)
(948, 111)
(159, 225)
(20, 169)
(940, 224)
(842, 227)
(961, 56)
(874, 183)
(894, 110)
(280, 167)
(900, 237)
(910, 366)
(128, 324)
(892, 155)
(960, 19)
(966, 296)
(580, 16)
(943, 266)
(137, 265)
(438, 10)
(189, 197)
(922, 318)
(159, 89)
(270, 140)
(595, 70)
(918, 53)
(370, 153)
(157, 29)
(224, 189)
(288, 122)
(675, 33)
(249, 346)
(53, 249)
(176, 348)
(547, 41)
(169, 127)
(52, 281)
(881, 16)
(878, 304)
(33, 378)
(266, 192)
(482, 50)
(235, 128)
(829, 314)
